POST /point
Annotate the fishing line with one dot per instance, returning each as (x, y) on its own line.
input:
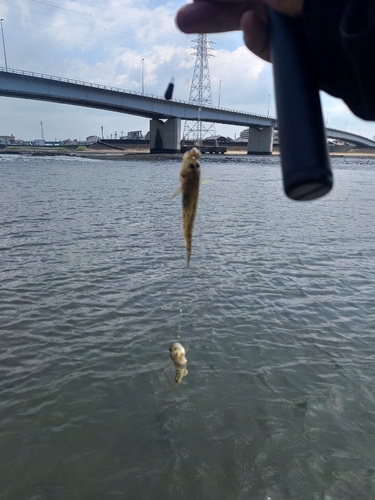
(179, 325)
(198, 142)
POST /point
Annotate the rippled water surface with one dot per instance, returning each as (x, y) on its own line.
(277, 311)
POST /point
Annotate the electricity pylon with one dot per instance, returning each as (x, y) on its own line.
(200, 91)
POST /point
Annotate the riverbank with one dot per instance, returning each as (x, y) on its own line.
(143, 154)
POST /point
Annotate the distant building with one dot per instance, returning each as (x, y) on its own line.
(92, 139)
(7, 139)
(39, 142)
(240, 140)
(244, 134)
(70, 141)
(219, 138)
(135, 134)
(276, 137)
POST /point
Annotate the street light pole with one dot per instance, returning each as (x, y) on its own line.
(143, 87)
(2, 34)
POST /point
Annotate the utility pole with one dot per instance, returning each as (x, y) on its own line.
(5, 54)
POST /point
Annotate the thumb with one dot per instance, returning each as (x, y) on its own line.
(254, 27)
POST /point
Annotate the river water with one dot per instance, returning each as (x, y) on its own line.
(277, 311)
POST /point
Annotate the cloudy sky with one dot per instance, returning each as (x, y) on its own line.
(104, 42)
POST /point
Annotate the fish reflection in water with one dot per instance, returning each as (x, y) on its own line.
(177, 353)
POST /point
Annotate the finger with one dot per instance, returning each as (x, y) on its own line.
(254, 27)
(209, 17)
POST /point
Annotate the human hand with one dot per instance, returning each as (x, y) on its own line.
(203, 16)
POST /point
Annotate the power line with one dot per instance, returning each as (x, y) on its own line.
(171, 34)
(83, 13)
(152, 15)
(117, 40)
(84, 24)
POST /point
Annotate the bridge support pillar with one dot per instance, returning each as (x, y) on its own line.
(260, 141)
(165, 136)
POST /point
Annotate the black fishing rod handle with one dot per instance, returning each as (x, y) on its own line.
(305, 161)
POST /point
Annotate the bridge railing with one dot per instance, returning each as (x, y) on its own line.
(120, 90)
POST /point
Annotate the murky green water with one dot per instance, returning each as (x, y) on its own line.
(278, 314)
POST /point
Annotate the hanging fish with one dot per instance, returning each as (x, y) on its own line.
(177, 353)
(190, 179)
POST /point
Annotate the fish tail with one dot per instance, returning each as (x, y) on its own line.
(180, 374)
(175, 383)
(177, 378)
(188, 251)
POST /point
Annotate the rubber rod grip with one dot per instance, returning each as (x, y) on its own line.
(307, 173)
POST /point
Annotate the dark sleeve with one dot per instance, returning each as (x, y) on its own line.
(341, 37)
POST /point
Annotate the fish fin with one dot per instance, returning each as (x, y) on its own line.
(177, 192)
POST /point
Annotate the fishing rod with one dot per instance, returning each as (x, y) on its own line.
(305, 162)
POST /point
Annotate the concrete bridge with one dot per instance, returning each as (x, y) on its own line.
(343, 135)
(164, 135)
